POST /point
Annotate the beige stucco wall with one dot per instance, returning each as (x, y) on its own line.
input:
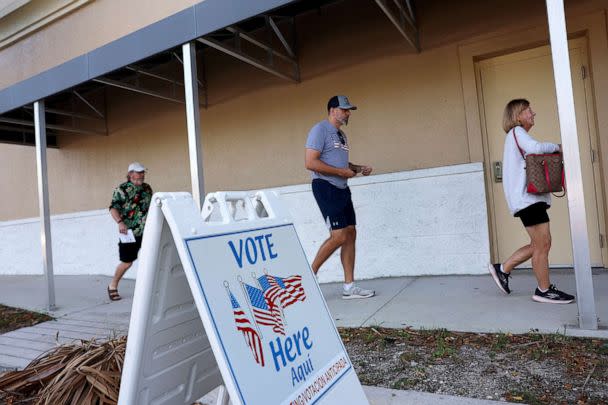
(415, 110)
(89, 27)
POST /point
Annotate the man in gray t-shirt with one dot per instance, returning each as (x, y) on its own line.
(327, 159)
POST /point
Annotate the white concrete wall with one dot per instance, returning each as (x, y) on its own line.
(83, 243)
(420, 222)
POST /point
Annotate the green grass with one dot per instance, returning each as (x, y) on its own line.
(443, 349)
(500, 342)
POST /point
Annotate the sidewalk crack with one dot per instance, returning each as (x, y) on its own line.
(389, 301)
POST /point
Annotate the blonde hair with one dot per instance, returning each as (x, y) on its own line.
(512, 111)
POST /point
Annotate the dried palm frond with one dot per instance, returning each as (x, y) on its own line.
(84, 374)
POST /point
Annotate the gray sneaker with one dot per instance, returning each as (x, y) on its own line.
(357, 292)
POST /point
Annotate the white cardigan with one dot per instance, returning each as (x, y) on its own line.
(514, 169)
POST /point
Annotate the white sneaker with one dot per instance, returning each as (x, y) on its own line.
(357, 292)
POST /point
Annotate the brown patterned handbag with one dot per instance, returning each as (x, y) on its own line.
(544, 172)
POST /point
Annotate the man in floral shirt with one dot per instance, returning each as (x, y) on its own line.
(129, 208)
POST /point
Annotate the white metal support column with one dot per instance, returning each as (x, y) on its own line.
(193, 121)
(43, 201)
(587, 317)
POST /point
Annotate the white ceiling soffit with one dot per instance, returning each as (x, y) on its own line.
(8, 6)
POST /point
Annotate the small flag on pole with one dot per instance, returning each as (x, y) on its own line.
(288, 290)
(264, 312)
(251, 336)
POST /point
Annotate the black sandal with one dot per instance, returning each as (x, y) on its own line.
(113, 294)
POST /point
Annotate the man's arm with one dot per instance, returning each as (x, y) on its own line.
(122, 228)
(355, 168)
(364, 170)
(313, 162)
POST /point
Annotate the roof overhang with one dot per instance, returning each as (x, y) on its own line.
(185, 26)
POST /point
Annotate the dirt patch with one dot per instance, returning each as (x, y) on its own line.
(15, 318)
(531, 368)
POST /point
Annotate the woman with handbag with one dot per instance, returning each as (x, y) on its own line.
(530, 208)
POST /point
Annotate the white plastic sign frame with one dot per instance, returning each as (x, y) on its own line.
(263, 315)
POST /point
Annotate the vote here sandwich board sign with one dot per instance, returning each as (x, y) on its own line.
(272, 336)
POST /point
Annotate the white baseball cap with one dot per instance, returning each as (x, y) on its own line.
(136, 167)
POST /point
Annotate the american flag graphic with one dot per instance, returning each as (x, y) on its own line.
(288, 290)
(251, 337)
(265, 313)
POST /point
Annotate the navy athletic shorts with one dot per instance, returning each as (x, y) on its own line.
(127, 252)
(335, 204)
(534, 214)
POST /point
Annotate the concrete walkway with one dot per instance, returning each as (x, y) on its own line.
(457, 303)
(83, 312)
(469, 304)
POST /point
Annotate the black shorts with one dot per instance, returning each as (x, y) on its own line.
(335, 204)
(534, 214)
(127, 252)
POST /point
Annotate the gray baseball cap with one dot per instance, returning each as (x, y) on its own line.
(340, 102)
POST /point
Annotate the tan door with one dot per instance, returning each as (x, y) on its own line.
(529, 74)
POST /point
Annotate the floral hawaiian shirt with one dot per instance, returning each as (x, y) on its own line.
(132, 203)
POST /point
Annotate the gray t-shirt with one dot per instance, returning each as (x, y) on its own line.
(324, 137)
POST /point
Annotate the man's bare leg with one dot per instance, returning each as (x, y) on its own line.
(121, 269)
(347, 254)
(336, 239)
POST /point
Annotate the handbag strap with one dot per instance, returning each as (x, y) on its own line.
(518, 147)
(563, 184)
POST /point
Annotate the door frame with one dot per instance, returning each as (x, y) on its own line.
(533, 34)
(577, 43)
